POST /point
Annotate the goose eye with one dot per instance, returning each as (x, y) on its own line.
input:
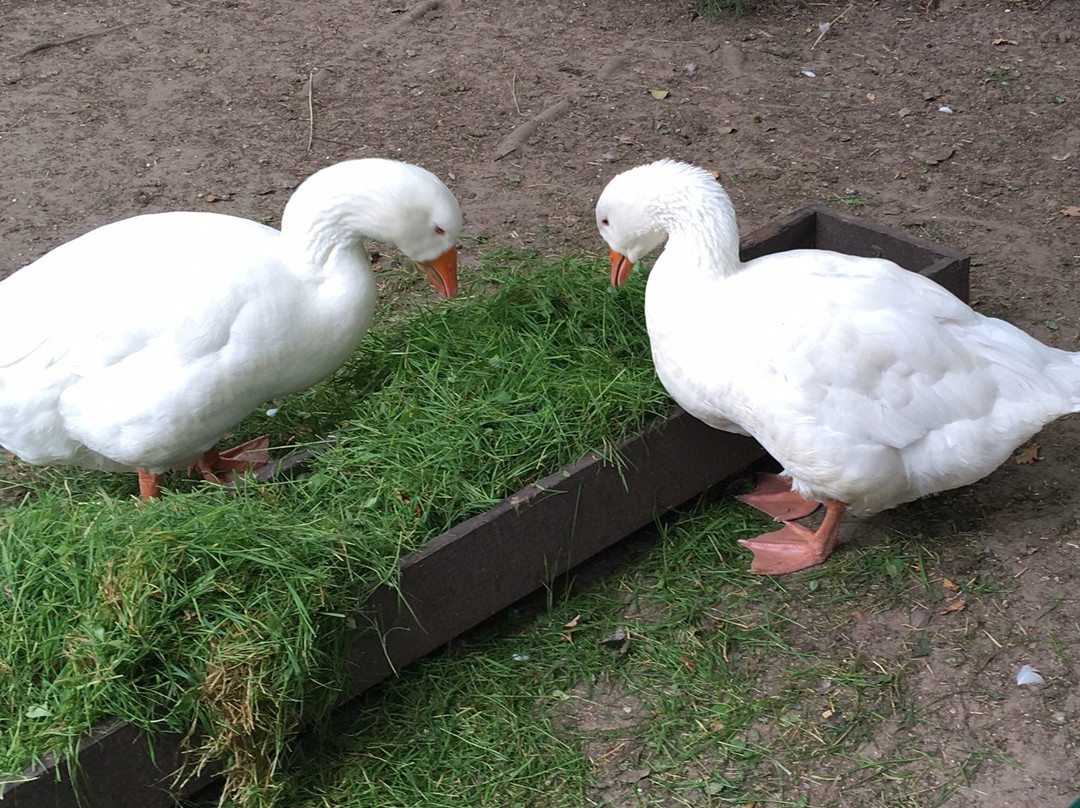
(604, 222)
(439, 231)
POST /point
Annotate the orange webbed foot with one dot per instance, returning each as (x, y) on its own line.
(773, 495)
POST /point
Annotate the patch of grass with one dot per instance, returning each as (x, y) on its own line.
(722, 695)
(715, 8)
(850, 200)
(226, 611)
(1002, 76)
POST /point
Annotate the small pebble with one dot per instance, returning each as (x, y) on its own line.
(945, 110)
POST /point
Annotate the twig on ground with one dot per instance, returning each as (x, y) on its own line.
(829, 26)
(310, 110)
(513, 91)
(57, 43)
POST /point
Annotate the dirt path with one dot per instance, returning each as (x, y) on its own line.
(951, 119)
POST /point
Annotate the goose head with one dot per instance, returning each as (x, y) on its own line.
(386, 200)
(642, 208)
(627, 221)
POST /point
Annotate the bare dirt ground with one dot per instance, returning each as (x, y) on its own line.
(110, 108)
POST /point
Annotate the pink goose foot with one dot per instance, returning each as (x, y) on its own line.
(795, 547)
(773, 495)
(221, 466)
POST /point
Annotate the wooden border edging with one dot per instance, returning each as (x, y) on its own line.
(484, 564)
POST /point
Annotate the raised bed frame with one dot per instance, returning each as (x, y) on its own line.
(488, 562)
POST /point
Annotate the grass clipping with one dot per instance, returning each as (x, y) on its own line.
(225, 613)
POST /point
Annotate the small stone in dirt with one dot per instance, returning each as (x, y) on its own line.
(922, 646)
(920, 617)
(618, 641)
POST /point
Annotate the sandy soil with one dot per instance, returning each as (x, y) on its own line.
(110, 108)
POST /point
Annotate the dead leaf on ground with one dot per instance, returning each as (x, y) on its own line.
(1072, 210)
(1027, 455)
(947, 584)
(1001, 41)
(955, 606)
(659, 95)
(573, 623)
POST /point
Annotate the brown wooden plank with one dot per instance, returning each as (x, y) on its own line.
(491, 561)
(486, 563)
(791, 232)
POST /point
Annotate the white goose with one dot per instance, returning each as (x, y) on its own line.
(871, 385)
(140, 344)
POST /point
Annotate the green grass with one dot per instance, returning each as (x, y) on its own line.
(227, 610)
(715, 8)
(724, 694)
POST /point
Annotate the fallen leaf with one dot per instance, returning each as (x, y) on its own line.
(659, 95)
(1000, 41)
(689, 663)
(1072, 210)
(871, 97)
(1027, 455)
(827, 714)
(573, 623)
(904, 112)
(633, 776)
(955, 606)
(947, 584)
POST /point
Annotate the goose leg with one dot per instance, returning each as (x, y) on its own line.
(795, 547)
(773, 495)
(149, 484)
(220, 466)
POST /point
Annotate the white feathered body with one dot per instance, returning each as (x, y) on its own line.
(139, 344)
(870, 384)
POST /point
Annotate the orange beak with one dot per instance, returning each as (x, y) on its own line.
(443, 272)
(621, 267)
